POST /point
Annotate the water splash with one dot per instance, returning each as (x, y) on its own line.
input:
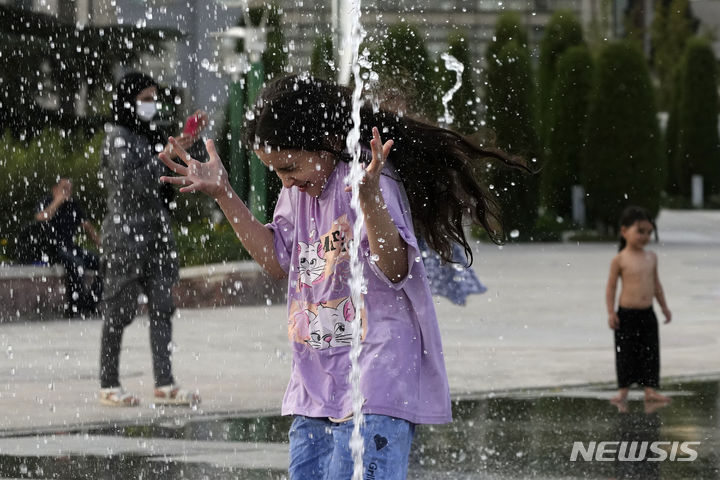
(355, 37)
(454, 65)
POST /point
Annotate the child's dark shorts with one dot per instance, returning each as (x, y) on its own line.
(637, 351)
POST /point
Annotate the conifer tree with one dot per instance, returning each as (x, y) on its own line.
(562, 32)
(623, 158)
(561, 167)
(698, 152)
(321, 60)
(510, 111)
(404, 64)
(463, 105)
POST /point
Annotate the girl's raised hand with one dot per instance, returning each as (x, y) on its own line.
(369, 188)
(208, 177)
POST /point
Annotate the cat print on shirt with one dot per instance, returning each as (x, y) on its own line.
(311, 263)
(331, 326)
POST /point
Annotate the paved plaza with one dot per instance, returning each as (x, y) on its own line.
(542, 323)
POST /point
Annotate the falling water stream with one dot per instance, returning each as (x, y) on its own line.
(357, 281)
(454, 65)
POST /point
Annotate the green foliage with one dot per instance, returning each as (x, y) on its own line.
(275, 56)
(563, 31)
(321, 60)
(510, 110)
(463, 106)
(561, 167)
(203, 242)
(406, 66)
(671, 137)
(634, 23)
(508, 28)
(698, 152)
(671, 28)
(30, 169)
(623, 161)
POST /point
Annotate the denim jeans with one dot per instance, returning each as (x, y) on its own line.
(320, 449)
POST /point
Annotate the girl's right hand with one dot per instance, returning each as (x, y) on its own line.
(613, 321)
(208, 177)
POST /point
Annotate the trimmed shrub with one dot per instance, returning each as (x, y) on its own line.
(509, 28)
(562, 32)
(29, 170)
(321, 60)
(623, 158)
(404, 64)
(561, 166)
(510, 109)
(463, 105)
(672, 27)
(698, 152)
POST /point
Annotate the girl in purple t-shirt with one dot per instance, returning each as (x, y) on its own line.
(299, 130)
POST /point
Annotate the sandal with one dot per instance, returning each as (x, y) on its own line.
(117, 397)
(174, 395)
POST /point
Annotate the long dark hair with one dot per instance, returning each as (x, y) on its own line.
(439, 168)
(631, 215)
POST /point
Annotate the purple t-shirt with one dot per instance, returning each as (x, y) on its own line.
(402, 365)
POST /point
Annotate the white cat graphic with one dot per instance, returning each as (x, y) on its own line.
(331, 327)
(311, 263)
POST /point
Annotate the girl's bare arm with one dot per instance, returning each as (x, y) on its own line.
(384, 239)
(255, 237)
(211, 178)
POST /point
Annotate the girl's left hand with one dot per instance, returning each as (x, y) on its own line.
(369, 187)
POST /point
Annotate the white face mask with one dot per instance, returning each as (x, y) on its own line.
(145, 110)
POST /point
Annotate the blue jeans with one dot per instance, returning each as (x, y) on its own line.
(320, 449)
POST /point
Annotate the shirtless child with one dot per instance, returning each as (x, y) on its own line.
(637, 354)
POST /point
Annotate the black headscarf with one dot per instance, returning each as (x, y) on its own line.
(124, 103)
(123, 109)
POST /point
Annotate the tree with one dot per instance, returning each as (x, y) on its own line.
(321, 60)
(509, 27)
(463, 105)
(510, 110)
(562, 32)
(623, 161)
(671, 137)
(405, 65)
(698, 152)
(275, 56)
(47, 63)
(561, 167)
(672, 26)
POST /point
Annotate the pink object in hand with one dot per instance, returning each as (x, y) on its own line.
(191, 126)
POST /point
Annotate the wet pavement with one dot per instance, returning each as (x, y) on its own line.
(540, 326)
(519, 435)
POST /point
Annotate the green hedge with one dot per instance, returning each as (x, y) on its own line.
(698, 152)
(29, 170)
(561, 167)
(623, 161)
(510, 104)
